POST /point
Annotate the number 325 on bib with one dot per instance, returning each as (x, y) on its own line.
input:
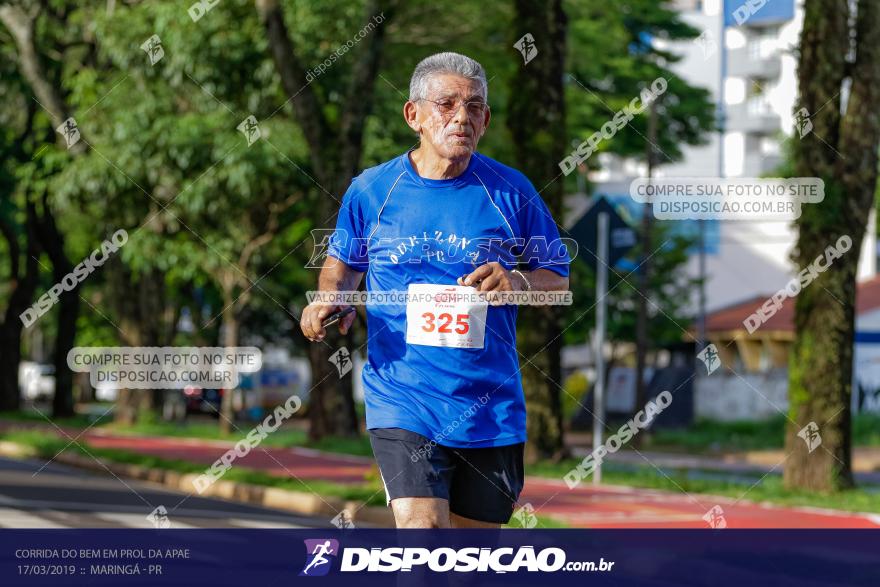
(437, 316)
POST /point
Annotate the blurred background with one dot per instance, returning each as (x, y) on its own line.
(220, 136)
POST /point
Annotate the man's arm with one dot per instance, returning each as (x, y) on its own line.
(335, 276)
(493, 277)
(544, 280)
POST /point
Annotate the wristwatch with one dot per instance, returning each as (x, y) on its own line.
(520, 273)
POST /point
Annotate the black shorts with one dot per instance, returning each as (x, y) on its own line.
(479, 483)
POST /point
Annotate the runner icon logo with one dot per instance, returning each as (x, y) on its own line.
(709, 357)
(320, 553)
(715, 517)
(810, 435)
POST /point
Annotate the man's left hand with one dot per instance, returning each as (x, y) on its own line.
(491, 278)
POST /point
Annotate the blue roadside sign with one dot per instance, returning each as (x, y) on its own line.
(622, 237)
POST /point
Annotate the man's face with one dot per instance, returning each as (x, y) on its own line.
(452, 117)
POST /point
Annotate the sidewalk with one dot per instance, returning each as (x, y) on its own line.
(866, 462)
(865, 459)
(584, 506)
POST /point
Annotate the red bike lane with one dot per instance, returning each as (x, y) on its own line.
(585, 506)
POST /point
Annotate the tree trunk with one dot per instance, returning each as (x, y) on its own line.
(537, 123)
(158, 326)
(22, 27)
(68, 311)
(841, 149)
(21, 296)
(130, 405)
(644, 279)
(139, 302)
(229, 329)
(331, 398)
(335, 152)
(331, 403)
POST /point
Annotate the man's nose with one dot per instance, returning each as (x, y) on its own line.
(461, 114)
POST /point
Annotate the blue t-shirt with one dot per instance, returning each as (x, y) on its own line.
(405, 229)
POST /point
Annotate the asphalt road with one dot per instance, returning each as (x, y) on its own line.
(56, 496)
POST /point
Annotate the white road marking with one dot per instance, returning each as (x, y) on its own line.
(261, 524)
(138, 520)
(12, 518)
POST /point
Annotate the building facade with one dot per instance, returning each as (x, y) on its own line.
(745, 57)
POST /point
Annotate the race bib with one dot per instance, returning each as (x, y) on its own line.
(445, 315)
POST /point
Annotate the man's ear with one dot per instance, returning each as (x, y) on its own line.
(410, 115)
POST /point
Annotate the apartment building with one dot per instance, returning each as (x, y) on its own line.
(745, 57)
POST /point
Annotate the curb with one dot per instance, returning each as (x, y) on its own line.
(271, 497)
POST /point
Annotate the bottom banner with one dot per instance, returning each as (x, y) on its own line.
(266, 558)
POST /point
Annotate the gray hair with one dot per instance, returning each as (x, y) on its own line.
(448, 62)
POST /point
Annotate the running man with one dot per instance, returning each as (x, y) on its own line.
(320, 559)
(444, 399)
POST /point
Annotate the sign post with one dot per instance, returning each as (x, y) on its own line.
(601, 307)
(603, 228)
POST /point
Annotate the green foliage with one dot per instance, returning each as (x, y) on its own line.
(669, 291)
(712, 436)
(611, 61)
(166, 162)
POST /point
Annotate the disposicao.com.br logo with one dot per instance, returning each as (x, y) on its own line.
(321, 552)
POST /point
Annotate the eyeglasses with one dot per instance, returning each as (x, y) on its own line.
(447, 107)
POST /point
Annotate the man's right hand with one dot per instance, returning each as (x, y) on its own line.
(315, 313)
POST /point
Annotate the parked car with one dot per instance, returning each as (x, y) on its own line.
(36, 380)
(105, 392)
(203, 401)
